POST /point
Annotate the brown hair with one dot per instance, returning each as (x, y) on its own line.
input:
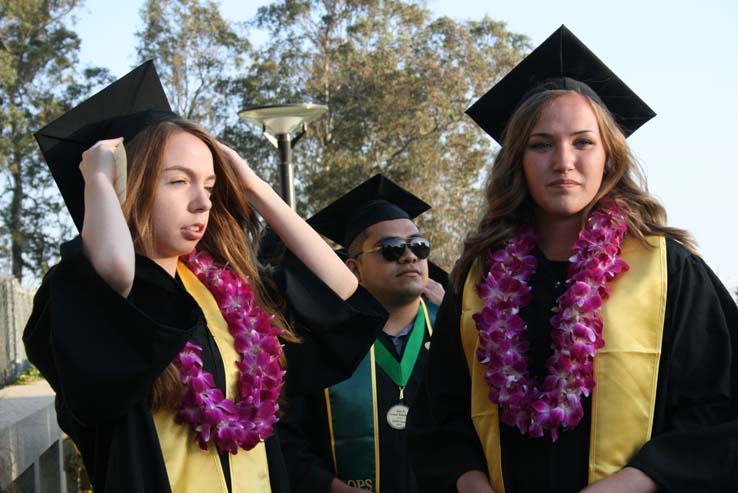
(509, 204)
(232, 227)
(357, 243)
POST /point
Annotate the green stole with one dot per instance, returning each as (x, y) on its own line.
(625, 370)
(353, 423)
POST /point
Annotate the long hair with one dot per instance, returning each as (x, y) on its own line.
(509, 204)
(231, 231)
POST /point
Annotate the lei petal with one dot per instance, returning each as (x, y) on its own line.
(577, 325)
(214, 418)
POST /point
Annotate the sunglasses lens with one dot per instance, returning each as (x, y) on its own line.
(420, 247)
(393, 249)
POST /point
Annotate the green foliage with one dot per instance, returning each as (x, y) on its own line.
(29, 375)
(195, 50)
(37, 83)
(397, 82)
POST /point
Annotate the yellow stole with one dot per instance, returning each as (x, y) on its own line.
(191, 469)
(626, 369)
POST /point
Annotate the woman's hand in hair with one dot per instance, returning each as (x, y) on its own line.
(296, 234)
(105, 235)
(249, 180)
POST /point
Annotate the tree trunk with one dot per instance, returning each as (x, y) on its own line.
(16, 224)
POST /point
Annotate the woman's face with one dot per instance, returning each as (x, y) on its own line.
(564, 159)
(182, 202)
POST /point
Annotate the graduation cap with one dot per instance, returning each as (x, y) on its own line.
(377, 199)
(123, 109)
(560, 62)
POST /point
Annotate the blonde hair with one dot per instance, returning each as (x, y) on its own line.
(508, 203)
(232, 227)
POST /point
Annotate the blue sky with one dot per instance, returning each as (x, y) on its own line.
(678, 55)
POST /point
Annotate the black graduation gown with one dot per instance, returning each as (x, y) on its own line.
(303, 432)
(694, 444)
(101, 353)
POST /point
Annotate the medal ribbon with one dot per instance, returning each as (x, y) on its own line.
(400, 372)
(353, 412)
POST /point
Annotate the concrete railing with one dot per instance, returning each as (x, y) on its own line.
(31, 448)
(15, 308)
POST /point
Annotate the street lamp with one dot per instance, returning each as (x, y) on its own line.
(277, 123)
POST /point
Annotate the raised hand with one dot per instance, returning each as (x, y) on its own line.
(297, 235)
(246, 175)
(99, 161)
(105, 235)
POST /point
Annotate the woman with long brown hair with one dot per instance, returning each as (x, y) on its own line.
(584, 345)
(159, 330)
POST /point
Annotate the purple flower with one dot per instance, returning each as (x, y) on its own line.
(245, 423)
(577, 334)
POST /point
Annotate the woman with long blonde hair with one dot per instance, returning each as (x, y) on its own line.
(159, 330)
(584, 345)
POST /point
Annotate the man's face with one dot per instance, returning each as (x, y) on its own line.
(391, 282)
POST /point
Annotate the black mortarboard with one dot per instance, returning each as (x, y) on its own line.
(123, 109)
(560, 62)
(377, 199)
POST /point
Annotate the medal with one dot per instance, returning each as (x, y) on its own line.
(397, 416)
(400, 371)
(355, 432)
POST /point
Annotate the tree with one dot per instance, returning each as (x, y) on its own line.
(397, 82)
(195, 50)
(38, 82)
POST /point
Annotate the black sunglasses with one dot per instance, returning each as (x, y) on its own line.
(392, 249)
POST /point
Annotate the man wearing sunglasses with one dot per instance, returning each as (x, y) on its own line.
(351, 437)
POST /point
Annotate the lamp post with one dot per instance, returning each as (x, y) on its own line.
(278, 122)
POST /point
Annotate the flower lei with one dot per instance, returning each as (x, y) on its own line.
(203, 406)
(577, 326)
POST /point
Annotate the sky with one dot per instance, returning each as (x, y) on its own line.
(676, 55)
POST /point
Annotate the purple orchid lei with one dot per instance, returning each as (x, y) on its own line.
(577, 326)
(204, 407)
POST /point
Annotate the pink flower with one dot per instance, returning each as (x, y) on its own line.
(189, 356)
(245, 423)
(577, 334)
